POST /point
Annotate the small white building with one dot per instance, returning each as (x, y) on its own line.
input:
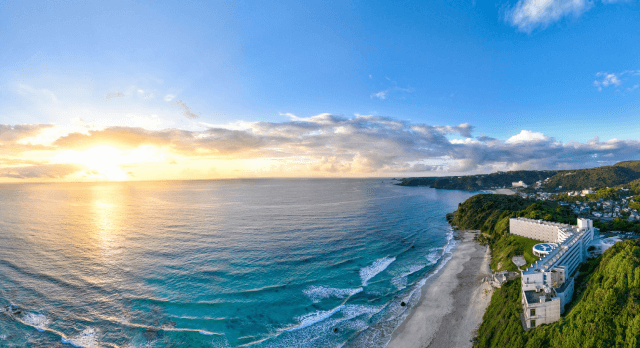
(519, 184)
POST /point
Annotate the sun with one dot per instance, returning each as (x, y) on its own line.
(106, 160)
(101, 161)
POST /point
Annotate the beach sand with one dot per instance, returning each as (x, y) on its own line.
(452, 303)
(504, 192)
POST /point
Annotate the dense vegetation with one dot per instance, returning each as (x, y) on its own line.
(634, 187)
(633, 165)
(622, 173)
(481, 181)
(605, 311)
(490, 214)
(617, 224)
(601, 177)
(501, 326)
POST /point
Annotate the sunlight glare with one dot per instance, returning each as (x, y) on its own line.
(104, 162)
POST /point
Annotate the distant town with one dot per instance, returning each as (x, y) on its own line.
(604, 204)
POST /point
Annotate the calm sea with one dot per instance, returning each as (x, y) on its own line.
(255, 263)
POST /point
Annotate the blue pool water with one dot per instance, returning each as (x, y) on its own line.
(255, 263)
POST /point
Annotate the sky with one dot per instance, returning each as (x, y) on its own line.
(181, 90)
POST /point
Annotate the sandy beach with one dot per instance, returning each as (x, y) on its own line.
(452, 303)
(504, 192)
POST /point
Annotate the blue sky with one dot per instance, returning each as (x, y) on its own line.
(567, 69)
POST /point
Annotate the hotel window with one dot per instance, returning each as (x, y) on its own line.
(533, 312)
(533, 323)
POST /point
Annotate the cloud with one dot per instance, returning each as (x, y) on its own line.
(365, 144)
(528, 15)
(528, 137)
(55, 171)
(186, 111)
(114, 95)
(326, 144)
(9, 134)
(169, 97)
(119, 137)
(382, 95)
(605, 79)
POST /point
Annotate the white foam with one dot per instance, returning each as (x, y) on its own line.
(319, 293)
(315, 317)
(352, 311)
(396, 313)
(400, 282)
(378, 266)
(37, 321)
(433, 257)
(88, 338)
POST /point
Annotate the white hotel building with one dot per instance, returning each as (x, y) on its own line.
(547, 285)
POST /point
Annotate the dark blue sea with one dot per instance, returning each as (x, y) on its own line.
(228, 263)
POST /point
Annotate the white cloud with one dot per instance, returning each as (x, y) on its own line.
(526, 136)
(606, 79)
(169, 97)
(465, 141)
(528, 15)
(394, 89)
(382, 95)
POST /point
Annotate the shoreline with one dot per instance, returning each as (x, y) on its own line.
(452, 304)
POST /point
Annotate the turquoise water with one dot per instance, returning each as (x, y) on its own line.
(256, 263)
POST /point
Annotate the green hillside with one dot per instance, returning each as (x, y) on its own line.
(608, 176)
(633, 165)
(480, 181)
(593, 178)
(605, 314)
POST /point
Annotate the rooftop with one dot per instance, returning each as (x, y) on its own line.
(546, 223)
(548, 261)
(535, 296)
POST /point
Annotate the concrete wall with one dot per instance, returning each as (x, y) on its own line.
(534, 230)
(566, 295)
(546, 312)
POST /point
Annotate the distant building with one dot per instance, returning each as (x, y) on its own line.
(518, 184)
(587, 192)
(547, 285)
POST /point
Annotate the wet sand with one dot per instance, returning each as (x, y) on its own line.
(452, 304)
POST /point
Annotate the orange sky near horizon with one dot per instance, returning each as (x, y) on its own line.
(46, 153)
(324, 145)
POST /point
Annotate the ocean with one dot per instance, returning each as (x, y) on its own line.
(225, 263)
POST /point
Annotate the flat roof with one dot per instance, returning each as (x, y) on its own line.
(543, 222)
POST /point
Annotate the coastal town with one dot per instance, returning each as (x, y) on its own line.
(604, 205)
